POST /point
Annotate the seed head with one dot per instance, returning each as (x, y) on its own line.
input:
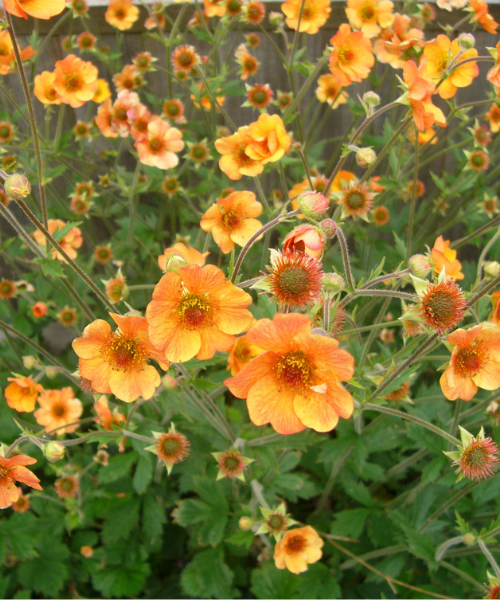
(443, 306)
(476, 457)
(171, 447)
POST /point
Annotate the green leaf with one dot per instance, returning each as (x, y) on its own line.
(153, 517)
(144, 473)
(47, 573)
(317, 582)
(208, 576)
(50, 267)
(120, 581)
(270, 582)
(350, 522)
(212, 519)
(121, 519)
(119, 466)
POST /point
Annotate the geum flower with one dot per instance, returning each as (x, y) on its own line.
(370, 16)
(7, 54)
(22, 393)
(351, 58)
(418, 96)
(232, 220)
(58, 408)
(443, 256)
(482, 15)
(475, 362)
(314, 14)
(270, 139)
(117, 363)
(14, 470)
(75, 81)
(40, 9)
(192, 256)
(295, 383)
(298, 548)
(160, 145)
(235, 162)
(69, 242)
(196, 312)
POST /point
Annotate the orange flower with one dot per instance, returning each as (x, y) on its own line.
(494, 73)
(241, 354)
(475, 363)
(117, 363)
(231, 220)
(40, 9)
(330, 90)
(7, 55)
(159, 147)
(12, 470)
(104, 120)
(75, 81)
(440, 53)
(214, 8)
(314, 14)
(298, 548)
(235, 162)
(483, 16)
(22, 504)
(72, 240)
(121, 14)
(370, 16)
(352, 57)
(270, 139)
(139, 118)
(44, 88)
(495, 315)
(192, 256)
(58, 408)
(105, 418)
(128, 79)
(295, 383)
(493, 117)
(249, 64)
(124, 103)
(196, 312)
(22, 393)
(306, 239)
(394, 43)
(425, 114)
(443, 256)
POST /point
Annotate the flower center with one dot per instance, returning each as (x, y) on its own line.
(121, 114)
(194, 311)
(27, 391)
(307, 11)
(250, 64)
(173, 110)
(72, 83)
(232, 463)
(156, 144)
(355, 200)
(241, 352)
(234, 7)
(293, 279)
(294, 371)
(367, 13)
(128, 84)
(241, 158)
(4, 132)
(471, 359)
(120, 13)
(4, 472)
(185, 59)
(141, 125)
(442, 63)
(475, 456)
(59, 410)
(4, 50)
(124, 353)
(199, 152)
(66, 484)
(276, 522)
(259, 97)
(296, 544)
(230, 220)
(346, 55)
(171, 446)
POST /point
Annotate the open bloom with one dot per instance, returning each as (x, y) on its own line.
(425, 113)
(44, 88)
(483, 16)
(7, 54)
(121, 14)
(160, 146)
(14, 470)
(241, 354)
(40, 9)
(440, 53)
(314, 14)
(117, 363)
(58, 408)
(232, 220)
(75, 81)
(298, 548)
(196, 312)
(69, 243)
(352, 57)
(295, 383)
(235, 162)
(443, 256)
(370, 16)
(248, 63)
(475, 363)
(330, 90)
(305, 239)
(22, 393)
(192, 256)
(270, 140)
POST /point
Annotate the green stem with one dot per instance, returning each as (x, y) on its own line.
(412, 201)
(489, 556)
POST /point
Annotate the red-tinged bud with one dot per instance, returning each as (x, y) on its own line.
(54, 451)
(17, 186)
(420, 265)
(245, 523)
(313, 204)
(365, 157)
(328, 228)
(39, 310)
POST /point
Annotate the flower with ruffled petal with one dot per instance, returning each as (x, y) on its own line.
(75, 81)
(159, 147)
(298, 548)
(443, 256)
(39, 9)
(351, 58)
(69, 243)
(235, 162)
(192, 256)
(57, 409)
(14, 470)
(314, 14)
(121, 14)
(370, 16)
(22, 393)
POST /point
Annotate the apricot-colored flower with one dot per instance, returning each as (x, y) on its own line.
(121, 14)
(330, 90)
(370, 16)
(314, 14)
(104, 119)
(75, 80)
(117, 363)
(69, 243)
(22, 393)
(241, 354)
(493, 75)
(40, 9)
(122, 106)
(443, 256)
(106, 418)
(58, 408)
(214, 8)
(7, 55)
(232, 220)
(295, 383)
(439, 54)
(270, 139)
(160, 146)
(298, 548)
(205, 100)
(394, 43)
(235, 162)
(128, 79)
(351, 59)
(192, 256)
(483, 16)
(495, 315)
(493, 117)
(196, 312)
(305, 238)
(22, 504)
(44, 88)
(425, 114)
(139, 118)
(14, 470)
(248, 63)
(475, 363)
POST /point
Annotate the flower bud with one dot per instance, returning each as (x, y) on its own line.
(54, 451)
(328, 228)
(87, 551)
(371, 99)
(169, 382)
(420, 265)
(51, 372)
(116, 288)
(39, 310)
(469, 539)
(491, 269)
(17, 186)
(102, 458)
(245, 523)
(313, 204)
(276, 19)
(333, 283)
(466, 41)
(365, 157)
(174, 262)
(30, 362)
(305, 239)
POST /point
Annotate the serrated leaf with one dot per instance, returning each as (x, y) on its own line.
(120, 581)
(208, 576)
(50, 267)
(48, 572)
(153, 518)
(120, 521)
(144, 471)
(350, 522)
(119, 466)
